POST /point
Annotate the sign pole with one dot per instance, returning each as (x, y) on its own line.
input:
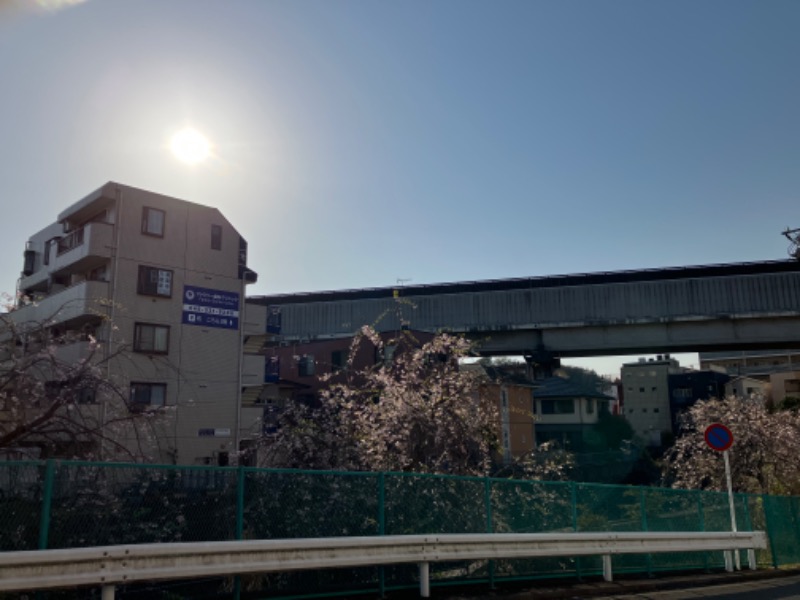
(731, 505)
(719, 438)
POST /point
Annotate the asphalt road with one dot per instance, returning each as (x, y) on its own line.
(785, 588)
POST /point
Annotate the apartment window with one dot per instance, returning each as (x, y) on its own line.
(155, 282)
(153, 221)
(145, 395)
(305, 367)
(558, 407)
(152, 339)
(216, 237)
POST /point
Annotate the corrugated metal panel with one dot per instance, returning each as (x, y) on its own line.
(711, 297)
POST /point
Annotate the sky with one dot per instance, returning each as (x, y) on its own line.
(359, 143)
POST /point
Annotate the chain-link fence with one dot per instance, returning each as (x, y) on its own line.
(65, 504)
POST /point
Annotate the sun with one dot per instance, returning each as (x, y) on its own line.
(190, 146)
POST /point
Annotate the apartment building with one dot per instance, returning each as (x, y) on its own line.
(647, 397)
(160, 283)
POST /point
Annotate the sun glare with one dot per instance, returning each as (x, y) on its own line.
(190, 146)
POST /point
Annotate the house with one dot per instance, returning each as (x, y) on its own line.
(512, 393)
(566, 411)
(159, 282)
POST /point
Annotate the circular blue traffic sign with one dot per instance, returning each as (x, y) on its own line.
(718, 437)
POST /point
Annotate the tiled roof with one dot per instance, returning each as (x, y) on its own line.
(559, 387)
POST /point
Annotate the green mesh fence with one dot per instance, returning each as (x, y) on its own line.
(64, 504)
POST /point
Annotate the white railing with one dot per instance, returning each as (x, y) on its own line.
(109, 566)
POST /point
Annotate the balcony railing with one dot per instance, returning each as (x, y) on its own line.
(73, 240)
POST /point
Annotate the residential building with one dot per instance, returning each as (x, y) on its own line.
(689, 386)
(785, 385)
(512, 393)
(567, 411)
(752, 363)
(647, 405)
(160, 283)
(748, 387)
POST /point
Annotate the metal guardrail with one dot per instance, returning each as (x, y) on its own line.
(109, 566)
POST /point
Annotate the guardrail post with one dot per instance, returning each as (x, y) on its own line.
(107, 592)
(424, 580)
(487, 499)
(237, 581)
(608, 575)
(574, 494)
(47, 502)
(382, 529)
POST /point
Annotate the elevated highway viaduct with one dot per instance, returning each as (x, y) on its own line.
(677, 309)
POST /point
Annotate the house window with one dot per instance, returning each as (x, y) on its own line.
(305, 368)
(155, 282)
(590, 406)
(144, 395)
(558, 407)
(153, 339)
(338, 360)
(216, 237)
(153, 221)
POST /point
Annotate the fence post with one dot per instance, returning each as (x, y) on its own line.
(643, 507)
(765, 501)
(47, 502)
(574, 498)
(702, 514)
(487, 499)
(237, 581)
(382, 528)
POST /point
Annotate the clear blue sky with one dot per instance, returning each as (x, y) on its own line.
(357, 143)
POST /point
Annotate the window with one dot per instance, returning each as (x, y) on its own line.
(590, 406)
(655, 410)
(558, 407)
(153, 221)
(305, 367)
(153, 339)
(641, 390)
(155, 282)
(144, 395)
(338, 360)
(216, 237)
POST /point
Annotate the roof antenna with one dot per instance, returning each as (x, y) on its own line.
(793, 235)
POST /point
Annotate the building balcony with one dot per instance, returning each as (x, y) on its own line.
(83, 249)
(83, 301)
(79, 251)
(252, 370)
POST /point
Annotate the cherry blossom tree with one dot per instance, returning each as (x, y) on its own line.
(763, 457)
(415, 412)
(57, 397)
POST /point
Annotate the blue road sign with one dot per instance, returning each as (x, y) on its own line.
(718, 437)
(210, 308)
